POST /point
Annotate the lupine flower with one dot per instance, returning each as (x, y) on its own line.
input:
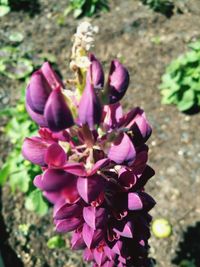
(94, 164)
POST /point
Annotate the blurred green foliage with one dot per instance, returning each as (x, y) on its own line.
(86, 8)
(56, 242)
(163, 6)
(181, 81)
(16, 170)
(4, 7)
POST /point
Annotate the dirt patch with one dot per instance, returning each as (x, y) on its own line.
(146, 42)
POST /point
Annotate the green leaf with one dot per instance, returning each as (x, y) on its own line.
(19, 180)
(4, 173)
(186, 263)
(18, 70)
(56, 242)
(4, 10)
(187, 101)
(16, 37)
(195, 45)
(35, 202)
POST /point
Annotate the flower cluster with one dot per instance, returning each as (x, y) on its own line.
(94, 162)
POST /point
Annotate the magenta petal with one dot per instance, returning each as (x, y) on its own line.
(75, 168)
(77, 241)
(118, 81)
(97, 73)
(94, 217)
(37, 92)
(125, 230)
(90, 188)
(38, 118)
(64, 210)
(99, 257)
(112, 115)
(99, 164)
(123, 145)
(70, 193)
(52, 78)
(87, 255)
(134, 202)
(57, 112)
(54, 180)
(55, 155)
(89, 111)
(34, 150)
(67, 225)
(52, 197)
(90, 236)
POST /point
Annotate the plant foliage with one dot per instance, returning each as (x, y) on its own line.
(163, 6)
(18, 172)
(86, 7)
(181, 81)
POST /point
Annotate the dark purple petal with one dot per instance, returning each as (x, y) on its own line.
(90, 188)
(70, 193)
(97, 74)
(37, 92)
(67, 225)
(64, 210)
(112, 115)
(122, 150)
(118, 81)
(91, 236)
(89, 111)
(77, 241)
(34, 150)
(55, 155)
(139, 201)
(136, 121)
(53, 180)
(75, 168)
(57, 112)
(98, 165)
(124, 229)
(94, 217)
(52, 78)
(127, 177)
(38, 118)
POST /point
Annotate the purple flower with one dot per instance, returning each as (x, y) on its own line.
(94, 167)
(90, 110)
(118, 82)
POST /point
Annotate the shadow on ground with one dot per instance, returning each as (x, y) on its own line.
(9, 256)
(30, 6)
(188, 253)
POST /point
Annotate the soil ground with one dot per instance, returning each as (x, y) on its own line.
(146, 42)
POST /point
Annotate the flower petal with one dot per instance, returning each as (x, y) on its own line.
(38, 118)
(90, 236)
(68, 225)
(94, 217)
(38, 92)
(97, 73)
(90, 188)
(57, 112)
(53, 180)
(112, 115)
(64, 210)
(34, 150)
(55, 155)
(77, 241)
(126, 148)
(89, 111)
(51, 76)
(75, 168)
(118, 81)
